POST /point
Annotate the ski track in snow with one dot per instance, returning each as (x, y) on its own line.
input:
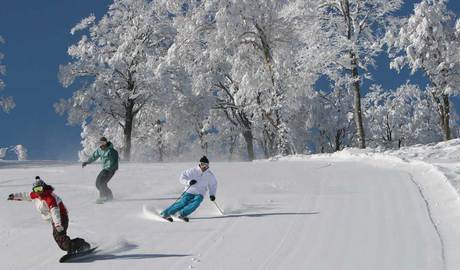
(430, 215)
(208, 242)
(275, 254)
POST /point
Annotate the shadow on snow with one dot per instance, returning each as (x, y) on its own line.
(142, 199)
(105, 257)
(260, 215)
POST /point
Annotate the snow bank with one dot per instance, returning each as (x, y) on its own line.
(443, 156)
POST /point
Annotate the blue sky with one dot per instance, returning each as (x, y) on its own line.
(37, 37)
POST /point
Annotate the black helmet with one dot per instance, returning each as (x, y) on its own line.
(39, 185)
(204, 159)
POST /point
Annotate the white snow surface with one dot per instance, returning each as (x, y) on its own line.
(355, 209)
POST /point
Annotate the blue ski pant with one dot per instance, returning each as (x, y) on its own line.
(186, 205)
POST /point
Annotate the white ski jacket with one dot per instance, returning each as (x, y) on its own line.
(204, 181)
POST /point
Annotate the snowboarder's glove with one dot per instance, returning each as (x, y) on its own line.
(11, 197)
(192, 182)
(84, 164)
(212, 198)
(59, 228)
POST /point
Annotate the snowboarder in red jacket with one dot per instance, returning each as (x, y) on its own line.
(52, 209)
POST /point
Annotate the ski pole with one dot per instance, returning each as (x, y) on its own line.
(182, 194)
(218, 208)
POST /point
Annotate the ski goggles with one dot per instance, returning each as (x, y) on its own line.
(204, 165)
(37, 189)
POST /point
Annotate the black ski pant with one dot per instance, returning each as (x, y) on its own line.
(63, 240)
(101, 184)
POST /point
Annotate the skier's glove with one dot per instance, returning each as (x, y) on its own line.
(192, 182)
(212, 198)
(11, 197)
(84, 164)
(59, 228)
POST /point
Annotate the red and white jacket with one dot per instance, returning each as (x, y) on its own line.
(47, 203)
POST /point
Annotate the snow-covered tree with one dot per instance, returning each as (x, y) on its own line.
(355, 29)
(116, 64)
(21, 152)
(264, 55)
(429, 40)
(189, 101)
(195, 108)
(330, 123)
(200, 53)
(151, 143)
(247, 54)
(228, 142)
(237, 111)
(230, 78)
(3, 152)
(401, 117)
(6, 103)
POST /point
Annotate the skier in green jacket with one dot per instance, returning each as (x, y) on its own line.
(109, 157)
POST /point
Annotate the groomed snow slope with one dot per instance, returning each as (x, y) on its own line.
(352, 210)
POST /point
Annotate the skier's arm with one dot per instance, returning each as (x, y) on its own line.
(186, 177)
(93, 157)
(212, 185)
(55, 213)
(21, 196)
(56, 217)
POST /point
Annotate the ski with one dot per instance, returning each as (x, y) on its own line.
(183, 219)
(154, 214)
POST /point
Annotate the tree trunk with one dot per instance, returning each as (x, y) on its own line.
(446, 118)
(280, 125)
(358, 116)
(203, 143)
(338, 139)
(264, 143)
(128, 129)
(231, 150)
(249, 139)
(160, 150)
(160, 142)
(160, 158)
(444, 114)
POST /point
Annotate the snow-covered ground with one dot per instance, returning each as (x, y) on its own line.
(350, 210)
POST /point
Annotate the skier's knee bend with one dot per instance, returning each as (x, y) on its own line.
(64, 242)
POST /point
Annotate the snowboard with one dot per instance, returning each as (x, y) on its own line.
(70, 257)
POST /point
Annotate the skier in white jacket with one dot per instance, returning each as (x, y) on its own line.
(197, 181)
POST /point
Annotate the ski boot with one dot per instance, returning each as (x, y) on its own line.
(168, 218)
(185, 219)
